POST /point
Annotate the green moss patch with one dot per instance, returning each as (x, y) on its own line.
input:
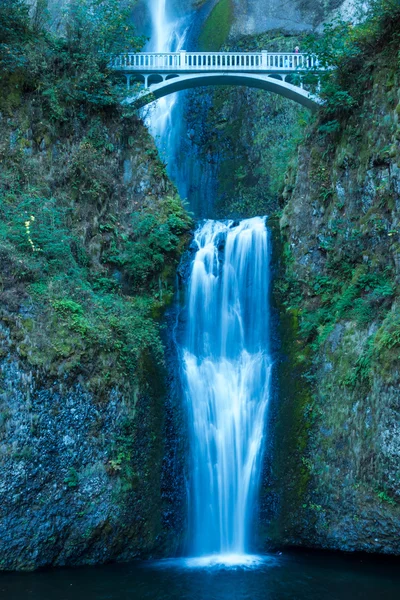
(217, 27)
(91, 256)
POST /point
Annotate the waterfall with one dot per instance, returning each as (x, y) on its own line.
(168, 35)
(226, 366)
(174, 27)
(225, 354)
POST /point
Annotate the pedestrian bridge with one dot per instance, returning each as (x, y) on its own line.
(165, 73)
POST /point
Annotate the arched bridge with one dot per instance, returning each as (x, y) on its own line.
(166, 73)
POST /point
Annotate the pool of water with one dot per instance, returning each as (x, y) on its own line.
(272, 577)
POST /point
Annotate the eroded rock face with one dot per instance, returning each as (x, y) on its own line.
(89, 454)
(253, 17)
(341, 226)
(256, 16)
(60, 493)
(86, 481)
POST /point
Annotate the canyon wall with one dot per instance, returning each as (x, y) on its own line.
(91, 234)
(337, 433)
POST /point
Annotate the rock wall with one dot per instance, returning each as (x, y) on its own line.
(263, 15)
(256, 16)
(65, 499)
(230, 130)
(88, 452)
(338, 421)
(91, 233)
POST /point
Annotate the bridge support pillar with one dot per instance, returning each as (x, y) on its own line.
(128, 82)
(146, 81)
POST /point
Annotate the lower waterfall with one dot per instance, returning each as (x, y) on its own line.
(226, 377)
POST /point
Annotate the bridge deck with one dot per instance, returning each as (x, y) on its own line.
(170, 72)
(198, 62)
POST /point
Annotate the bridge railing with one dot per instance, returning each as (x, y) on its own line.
(198, 61)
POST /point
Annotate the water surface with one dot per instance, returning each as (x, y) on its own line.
(285, 577)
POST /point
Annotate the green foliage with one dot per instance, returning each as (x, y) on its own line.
(388, 336)
(348, 50)
(329, 127)
(86, 327)
(73, 70)
(383, 495)
(361, 299)
(72, 479)
(90, 183)
(155, 238)
(216, 29)
(335, 45)
(91, 264)
(87, 319)
(116, 463)
(340, 282)
(101, 26)
(249, 136)
(47, 233)
(352, 287)
(15, 30)
(95, 316)
(67, 307)
(360, 373)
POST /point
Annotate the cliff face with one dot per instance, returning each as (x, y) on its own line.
(257, 16)
(83, 383)
(90, 237)
(333, 479)
(338, 424)
(237, 18)
(241, 138)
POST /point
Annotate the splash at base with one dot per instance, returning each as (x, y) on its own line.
(217, 562)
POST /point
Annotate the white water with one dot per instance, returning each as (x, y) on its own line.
(168, 35)
(226, 377)
(225, 352)
(171, 22)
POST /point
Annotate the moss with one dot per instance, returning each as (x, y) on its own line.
(340, 302)
(217, 27)
(295, 412)
(93, 308)
(247, 138)
(91, 257)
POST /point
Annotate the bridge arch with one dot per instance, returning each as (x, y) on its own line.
(182, 82)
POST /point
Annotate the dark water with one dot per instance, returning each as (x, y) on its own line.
(287, 577)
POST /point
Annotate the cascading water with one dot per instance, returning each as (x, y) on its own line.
(227, 368)
(168, 35)
(175, 26)
(225, 357)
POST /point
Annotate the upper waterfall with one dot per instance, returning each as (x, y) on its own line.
(168, 34)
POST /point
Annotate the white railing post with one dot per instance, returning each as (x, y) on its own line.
(183, 59)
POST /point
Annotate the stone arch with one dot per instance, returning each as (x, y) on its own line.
(264, 82)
